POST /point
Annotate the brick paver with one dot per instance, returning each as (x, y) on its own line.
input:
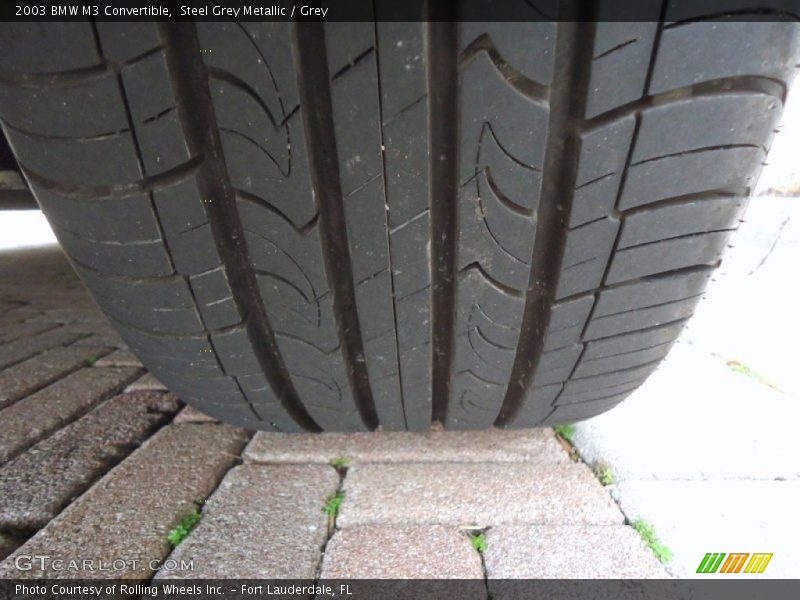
(18, 315)
(262, 522)
(146, 383)
(72, 315)
(474, 494)
(21, 349)
(129, 512)
(568, 552)
(24, 423)
(191, 415)
(9, 333)
(98, 334)
(535, 446)
(375, 552)
(39, 483)
(33, 374)
(119, 358)
(8, 544)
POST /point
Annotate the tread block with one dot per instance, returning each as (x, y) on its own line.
(557, 365)
(403, 71)
(591, 395)
(608, 380)
(80, 109)
(694, 52)
(600, 168)
(95, 162)
(356, 114)
(215, 299)
(705, 121)
(171, 355)
(685, 218)
(119, 220)
(661, 256)
(586, 255)
(654, 180)
(621, 59)
(122, 42)
(630, 342)
(159, 305)
(27, 47)
(134, 259)
(567, 320)
(599, 366)
(538, 405)
(568, 413)
(159, 132)
(652, 291)
(641, 318)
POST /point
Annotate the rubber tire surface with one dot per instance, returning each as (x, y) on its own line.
(354, 226)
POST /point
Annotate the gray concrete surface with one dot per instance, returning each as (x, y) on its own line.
(695, 517)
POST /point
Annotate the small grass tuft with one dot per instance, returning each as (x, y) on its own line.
(340, 463)
(179, 533)
(565, 432)
(92, 360)
(333, 503)
(479, 542)
(603, 473)
(331, 508)
(648, 533)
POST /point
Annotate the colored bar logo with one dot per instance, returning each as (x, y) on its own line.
(719, 562)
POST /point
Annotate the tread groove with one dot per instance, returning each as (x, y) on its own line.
(574, 48)
(442, 57)
(315, 96)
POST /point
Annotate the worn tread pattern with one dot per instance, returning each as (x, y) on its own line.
(381, 225)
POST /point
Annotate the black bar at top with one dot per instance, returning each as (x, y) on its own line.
(390, 10)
